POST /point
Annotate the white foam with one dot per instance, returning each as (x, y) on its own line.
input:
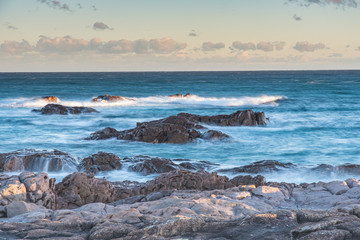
(152, 101)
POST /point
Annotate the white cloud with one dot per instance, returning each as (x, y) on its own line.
(61, 44)
(210, 46)
(165, 45)
(308, 47)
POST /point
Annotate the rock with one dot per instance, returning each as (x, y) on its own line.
(100, 162)
(352, 182)
(349, 168)
(260, 166)
(153, 165)
(337, 187)
(78, 189)
(248, 180)
(110, 98)
(11, 189)
(34, 160)
(19, 207)
(324, 169)
(51, 99)
(179, 95)
(105, 133)
(64, 110)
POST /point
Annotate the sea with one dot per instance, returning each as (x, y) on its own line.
(314, 117)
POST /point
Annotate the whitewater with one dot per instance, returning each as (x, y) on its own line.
(313, 116)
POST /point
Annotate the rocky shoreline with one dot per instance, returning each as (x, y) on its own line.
(183, 202)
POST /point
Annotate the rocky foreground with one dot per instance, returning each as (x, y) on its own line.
(177, 205)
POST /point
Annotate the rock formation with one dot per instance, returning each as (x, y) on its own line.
(64, 110)
(181, 128)
(110, 98)
(100, 162)
(51, 99)
(34, 160)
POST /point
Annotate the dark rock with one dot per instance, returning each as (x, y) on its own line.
(153, 165)
(349, 168)
(260, 166)
(34, 160)
(100, 161)
(78, 189)
(110, 98)
(179, 95)
(248, 180)
(64, 110)
(105, 133)
(51, 99)
(324, 169)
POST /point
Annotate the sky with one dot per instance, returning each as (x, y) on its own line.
(170, 35)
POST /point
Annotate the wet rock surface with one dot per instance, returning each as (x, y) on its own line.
(181, 128)
(35, 160)
(100, 162)
(260, 167)
(110, 98)
(64, 110)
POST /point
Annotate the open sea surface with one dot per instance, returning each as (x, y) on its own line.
(314, 116)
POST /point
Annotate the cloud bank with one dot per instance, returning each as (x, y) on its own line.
(210, 46)
(264, 46)
(308, 47)
(68, 44)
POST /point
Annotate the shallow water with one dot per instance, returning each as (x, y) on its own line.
(314, 115)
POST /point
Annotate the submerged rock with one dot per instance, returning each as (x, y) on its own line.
(35, 160)
(260, 166)
(181, 128)
(51, 99)
(100, 161)
(110, 98)
(64, 110)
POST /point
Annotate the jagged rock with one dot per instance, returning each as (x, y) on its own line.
(35, 160)
(248, 180)
(260, 166)
(51, 99)
(19, 207)
(100, 161)
(153, 165)
(11, 189)
(64, 110)
(110, 98)
(78, 189)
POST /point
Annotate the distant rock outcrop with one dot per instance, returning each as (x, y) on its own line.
(35, 160)
(110, 98)
(182, 128)
(51, 99)
(64, 110)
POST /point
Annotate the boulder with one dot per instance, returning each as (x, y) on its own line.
(150, 165)
(11, 189)
(19, 207)
(64, 110)
(51, 99)
(110, 98)
(260, 166)
(37, 160)
(78, 189)
(248, 180)
(100, 162)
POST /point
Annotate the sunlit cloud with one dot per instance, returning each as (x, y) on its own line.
(100, 26)
(210, 46)
(165, 45)
(13, 47)
(308, 47)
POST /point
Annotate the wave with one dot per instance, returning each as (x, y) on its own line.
(194, 100)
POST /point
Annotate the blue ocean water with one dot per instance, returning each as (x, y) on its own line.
(314, 115)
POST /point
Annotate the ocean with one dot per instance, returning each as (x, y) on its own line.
(314, 116)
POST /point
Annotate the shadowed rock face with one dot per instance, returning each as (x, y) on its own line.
(181, 128)
(51, 99)
(260, 166)
(64, 110)
(100, 161)
(34, 160)
(110, 98)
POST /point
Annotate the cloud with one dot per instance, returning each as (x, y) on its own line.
(100, 26)
(270, 46)
(10, 26)
(165, 45)
(94, 8)
(308, 47)
(56, 5)
(243, 46)
(193, 34)
(13, 48)
(335, 55)
(68, 44)
(297, 18)
(264, 46)
(338, 3)
(210, 46)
